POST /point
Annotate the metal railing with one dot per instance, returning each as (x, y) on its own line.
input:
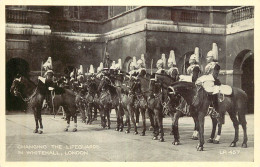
(26, 16)
(242, 13)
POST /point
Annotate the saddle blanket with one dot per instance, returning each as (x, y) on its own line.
(207, 82)
(186, 78)
(214, 89)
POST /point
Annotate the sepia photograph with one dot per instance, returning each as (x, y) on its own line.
(129, 83)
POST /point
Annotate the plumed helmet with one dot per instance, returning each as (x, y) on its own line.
(163, 60)
(210, 54)
(159, 63)
(80, 71)
(215, 51)
(91, 69)
(196, 52)
(48, 64)
(119, 64)
(171, 59)
(142, 58)
(134, 63)
(113, 66)
(139, 63)
(192, 57)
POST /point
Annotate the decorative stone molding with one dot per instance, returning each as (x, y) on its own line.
(240, 26)
(230, 72)
(27, 29)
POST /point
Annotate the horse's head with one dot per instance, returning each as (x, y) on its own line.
(105, 81)
(185, 89)
(17, 86)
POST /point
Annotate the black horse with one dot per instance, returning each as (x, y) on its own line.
(35, 94)
(199, 99)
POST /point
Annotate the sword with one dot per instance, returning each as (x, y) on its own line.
(152, 67)
(52, 98)
(184, 68)
(41, 69)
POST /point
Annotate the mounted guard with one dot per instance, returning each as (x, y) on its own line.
(48, 79)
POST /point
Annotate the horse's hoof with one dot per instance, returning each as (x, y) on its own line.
(40, 131)
(127, 131)
(155, 138)
(35, 131)
(244, 145)
(66, 129)
(120, 130)
(176, 142)
(117, 129)
(75, 130)
(108, 127)
(135, 133)
(150, 128)
(210, 140)
(195, 138)
(233, 144)
(142, 134)
(161, 139)
(215, 142)
(200, 148)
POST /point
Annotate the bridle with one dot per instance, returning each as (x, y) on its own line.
(26, 99)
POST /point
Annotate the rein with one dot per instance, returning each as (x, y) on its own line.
(28, 99)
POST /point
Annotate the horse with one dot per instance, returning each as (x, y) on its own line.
(176, 113)
(142, 92)
(108, 99)
(91, 86)
(197, 97)
(35, 94)
(127, 103)
(159, 103)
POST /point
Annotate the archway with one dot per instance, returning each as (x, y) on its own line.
(185, 58)
(13, 67)
(244, 75)
(126, 65)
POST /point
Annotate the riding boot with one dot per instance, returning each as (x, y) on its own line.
(216, 107)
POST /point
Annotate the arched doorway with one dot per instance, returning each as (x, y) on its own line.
(13, 67)
(126, 65)
(185, 58)
(244, 75)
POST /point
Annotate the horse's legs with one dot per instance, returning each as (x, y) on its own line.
(151, 117)
(40, 120)
(117, 117)
(236, 126)
(201, 118)
(144, 121)
(137, 116)
(108, 117)
(175, 123)
(156, 128)
(75, 123)
(36, 121)
(196, 128)
(132, 113)
(68, 122)
(161, 127)
(214, 125)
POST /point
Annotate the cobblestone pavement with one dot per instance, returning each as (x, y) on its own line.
(91, 143)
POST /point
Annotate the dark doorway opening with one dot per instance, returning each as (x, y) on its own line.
(13, 67)
(247, 81)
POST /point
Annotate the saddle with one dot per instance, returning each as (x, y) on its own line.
(207, 82)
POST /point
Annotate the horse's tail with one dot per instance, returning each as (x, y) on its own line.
(240, 103)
